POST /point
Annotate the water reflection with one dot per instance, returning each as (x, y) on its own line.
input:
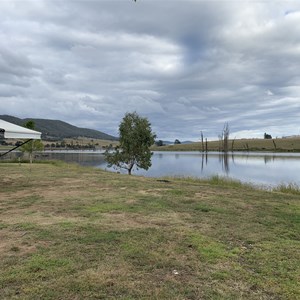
(258, 168)
(223, 160)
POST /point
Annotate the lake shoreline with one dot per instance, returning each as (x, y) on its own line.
(267, 169)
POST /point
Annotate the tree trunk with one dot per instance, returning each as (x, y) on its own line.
(202, 141)
(130, 168)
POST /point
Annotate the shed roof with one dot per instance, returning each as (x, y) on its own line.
(12, 131)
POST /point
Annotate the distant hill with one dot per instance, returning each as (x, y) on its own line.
(57, 130)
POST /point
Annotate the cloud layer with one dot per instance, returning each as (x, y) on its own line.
(189, 66)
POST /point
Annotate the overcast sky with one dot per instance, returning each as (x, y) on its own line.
(188, 66)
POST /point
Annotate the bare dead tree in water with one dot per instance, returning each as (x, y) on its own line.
(202, 141)
(225, 137)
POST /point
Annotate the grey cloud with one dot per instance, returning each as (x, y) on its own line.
(189, 66)
(15, 64)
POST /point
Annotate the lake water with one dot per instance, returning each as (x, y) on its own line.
(266, 169)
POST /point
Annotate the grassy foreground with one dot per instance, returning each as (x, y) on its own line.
(69, 232)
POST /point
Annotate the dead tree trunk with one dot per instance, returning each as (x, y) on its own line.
(225, 137)
(202, 141)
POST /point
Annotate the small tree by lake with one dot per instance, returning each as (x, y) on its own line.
(33, 145)
(135, 138)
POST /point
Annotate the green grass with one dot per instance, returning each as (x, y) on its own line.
(290, 188)
(70, 232)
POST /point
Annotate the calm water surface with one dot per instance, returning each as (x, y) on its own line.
(258, 168)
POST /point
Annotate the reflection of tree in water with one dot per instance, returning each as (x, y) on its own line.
(268, 158)
(204, 157)
(223, 158)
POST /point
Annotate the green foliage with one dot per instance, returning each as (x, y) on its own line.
(136, 138)
(33, 145)
(159, 143)
(30, 125)
(267, 136)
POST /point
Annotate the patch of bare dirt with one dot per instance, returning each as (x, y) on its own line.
(153, 192)
(127, 221)
(208, 193)
(12, 243)
(39, 218)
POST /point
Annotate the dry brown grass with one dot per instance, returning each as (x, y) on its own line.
(282, 145)
(69, 232)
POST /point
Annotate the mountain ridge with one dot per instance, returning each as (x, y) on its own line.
(58, 130)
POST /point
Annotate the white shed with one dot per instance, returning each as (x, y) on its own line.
(12, 131)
